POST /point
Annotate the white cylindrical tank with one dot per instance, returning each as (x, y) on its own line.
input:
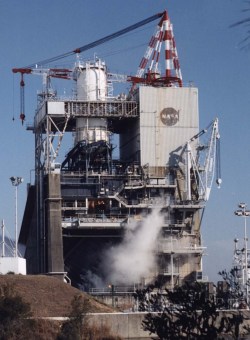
(91, 130)
(91, 80)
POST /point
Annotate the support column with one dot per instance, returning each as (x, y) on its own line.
(52, 205)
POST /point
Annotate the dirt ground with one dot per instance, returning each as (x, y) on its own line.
(49, 296)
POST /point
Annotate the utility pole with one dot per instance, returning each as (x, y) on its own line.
(15, 181)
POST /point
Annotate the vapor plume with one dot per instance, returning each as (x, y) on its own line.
(134, 258)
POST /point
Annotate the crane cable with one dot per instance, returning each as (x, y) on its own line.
(97, 42)
(28, 69)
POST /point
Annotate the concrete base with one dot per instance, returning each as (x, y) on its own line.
(16, 265)
(60, 275)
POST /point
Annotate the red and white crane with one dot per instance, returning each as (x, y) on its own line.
(148, 71)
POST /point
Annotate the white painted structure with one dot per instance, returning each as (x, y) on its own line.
(91, 80)
(13, 264)
(16, 265)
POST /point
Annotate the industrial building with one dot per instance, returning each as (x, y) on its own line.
(79, 209)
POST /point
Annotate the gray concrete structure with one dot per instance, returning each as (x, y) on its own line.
(54, 225)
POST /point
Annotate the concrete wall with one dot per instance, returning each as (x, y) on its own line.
(127, 325)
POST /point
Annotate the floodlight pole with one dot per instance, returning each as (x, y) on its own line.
(3, 239)
(243, 212)
(15, 182)
(246, 252)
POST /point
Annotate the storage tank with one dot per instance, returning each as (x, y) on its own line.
(91, 80)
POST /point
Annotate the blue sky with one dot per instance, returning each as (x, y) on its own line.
(210, 56)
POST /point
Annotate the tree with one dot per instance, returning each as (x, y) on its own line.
(77, 327)
(15, 321)
(234, 296)
(187, 312)
(246, 23)
(74, 327)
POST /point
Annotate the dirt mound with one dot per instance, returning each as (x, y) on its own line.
(49, 296)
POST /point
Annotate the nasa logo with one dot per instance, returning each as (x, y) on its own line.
(169, 116)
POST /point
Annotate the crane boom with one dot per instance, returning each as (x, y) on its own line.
(202, 157)
(64, 74)
(94, 43)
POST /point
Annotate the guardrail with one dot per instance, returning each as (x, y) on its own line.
(113, 290)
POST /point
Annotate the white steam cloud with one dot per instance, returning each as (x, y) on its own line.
(135, 258)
